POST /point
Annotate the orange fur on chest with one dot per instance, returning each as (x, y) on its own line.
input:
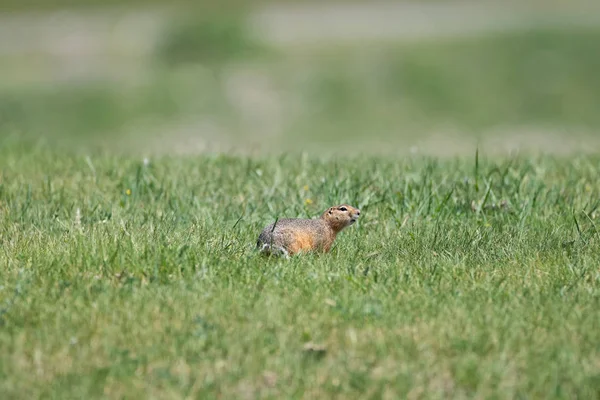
(305, 241)
(302, 241)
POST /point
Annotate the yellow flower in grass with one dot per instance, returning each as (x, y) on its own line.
(308, 202)
(128, 192)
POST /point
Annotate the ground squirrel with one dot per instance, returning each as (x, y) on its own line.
(291, 235)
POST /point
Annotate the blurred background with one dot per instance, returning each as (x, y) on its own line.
(431, 77)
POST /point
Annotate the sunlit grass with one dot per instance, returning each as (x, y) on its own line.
(470, 277)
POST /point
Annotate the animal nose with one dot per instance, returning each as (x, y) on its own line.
(357, 212)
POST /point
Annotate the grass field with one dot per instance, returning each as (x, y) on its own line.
(127, 227)
(469, 277)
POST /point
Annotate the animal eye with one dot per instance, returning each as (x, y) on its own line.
(343, 209)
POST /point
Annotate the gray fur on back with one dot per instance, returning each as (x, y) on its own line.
(281, 237)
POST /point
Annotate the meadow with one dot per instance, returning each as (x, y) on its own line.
(130, 206)
(463, 278)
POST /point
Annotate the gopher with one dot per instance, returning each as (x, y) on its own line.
(293, 235)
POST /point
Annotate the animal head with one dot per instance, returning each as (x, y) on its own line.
(341, 216)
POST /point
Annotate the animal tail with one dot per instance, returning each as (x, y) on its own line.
(272, 250)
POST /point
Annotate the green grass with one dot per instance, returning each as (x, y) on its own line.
(537, 77)
(469, 277)
(212, 39)
(466, 277)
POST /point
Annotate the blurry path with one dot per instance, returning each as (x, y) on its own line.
(113, 43)
(133, 31)
(313, 24)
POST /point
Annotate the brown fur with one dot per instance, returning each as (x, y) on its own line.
(301, 241)
(291, 236)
